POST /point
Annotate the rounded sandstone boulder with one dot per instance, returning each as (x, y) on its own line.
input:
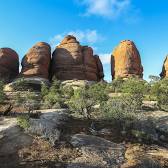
(9, 64)
(126, 61)
(36, 62)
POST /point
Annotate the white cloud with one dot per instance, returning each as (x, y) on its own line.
(86, 36)
(105, 8)
(105, 58)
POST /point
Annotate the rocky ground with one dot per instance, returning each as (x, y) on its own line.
(66, 142)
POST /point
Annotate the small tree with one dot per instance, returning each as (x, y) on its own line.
(116, 85)
(160, 90)
(120, 110)
(82, 102)
(153, 79)
(52, 97)
(98, 92)
(2, 94)
(29, 101)
(135, 90)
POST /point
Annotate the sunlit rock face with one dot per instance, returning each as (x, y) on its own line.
(9, 64)
(36, 62)
(164, 73)
(126, 61)
(71, 61)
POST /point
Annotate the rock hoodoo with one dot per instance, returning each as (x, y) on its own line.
(9, 64)
(164, 72)
(126, 61)
(71, 61)
(37, 61)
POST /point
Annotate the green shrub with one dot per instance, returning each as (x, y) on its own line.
(99, 92)
(162, 95)
(52, 97)
(116, 85)
(119, 109)
(2, 94)
(136, 89)
(154, 79)
(20, 85)
(23, 121)
(82, 102)
(29, 101)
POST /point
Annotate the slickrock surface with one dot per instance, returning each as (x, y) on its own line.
(9, 64)
(71, 61)
(164, 72)
(126, 61)
(96, 152)
(37, 61)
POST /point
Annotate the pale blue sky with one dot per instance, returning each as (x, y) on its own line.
(101, 24)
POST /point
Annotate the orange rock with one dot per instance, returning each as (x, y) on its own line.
(71, 61)
(37, 61)
(164, 72)
(126, 61)
(9, 64)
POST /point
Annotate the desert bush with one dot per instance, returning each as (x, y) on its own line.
(154, 79)
(23, 121)
(67, 91)
(29, 101)
(116, 85)
(136, 89)
(82, 102)
(20, 85)
(160, 91)
(162, 94)
(2, 94)
(84, 99)
(52, 97)
(119, 110)
(99, 92)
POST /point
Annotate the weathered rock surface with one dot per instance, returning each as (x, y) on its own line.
(12, 139)
(126, 61)
(164, 72)
(96, 152)
(37, 61)
(30, 83)
(9, 64)
(71, 61)
(49, 125)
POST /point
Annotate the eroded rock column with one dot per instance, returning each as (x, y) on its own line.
(126, 61)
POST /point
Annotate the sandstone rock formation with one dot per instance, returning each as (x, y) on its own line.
(126, 61)
(37, 61)
(71, 61)
(164, 72)
(9, 64)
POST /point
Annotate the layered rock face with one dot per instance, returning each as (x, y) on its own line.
(71, 61)
(164, 73)
(36, 62)
(9, 64)
(126, 61)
